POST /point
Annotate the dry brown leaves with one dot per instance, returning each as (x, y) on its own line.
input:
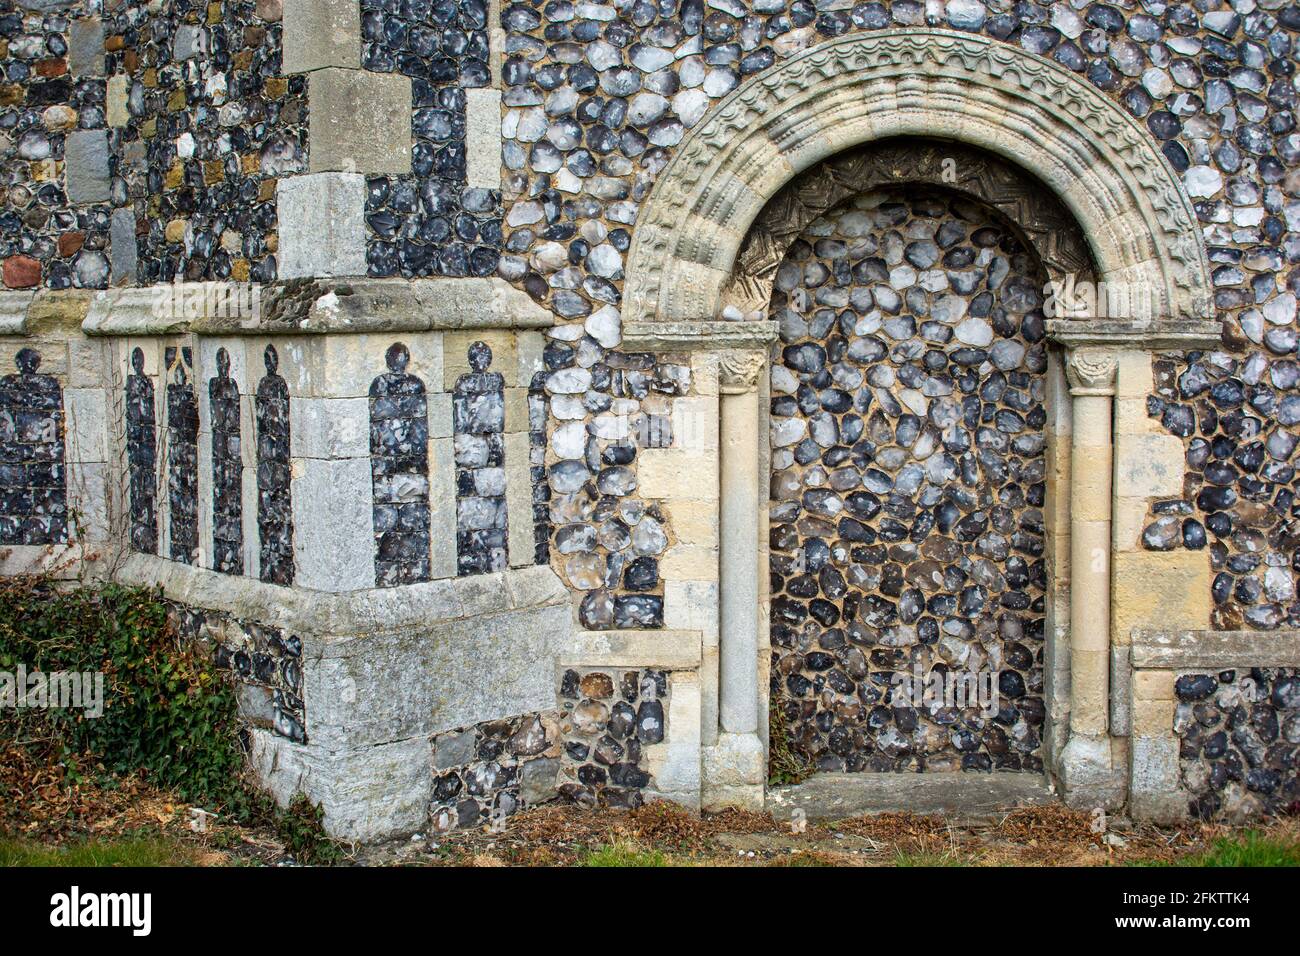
(53, 802)
(903, 832)
(43, 797)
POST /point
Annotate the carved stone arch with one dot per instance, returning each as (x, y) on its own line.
(1046, 227)
(1101, 164)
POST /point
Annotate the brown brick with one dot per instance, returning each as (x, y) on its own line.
(70, 243)
(22, 272)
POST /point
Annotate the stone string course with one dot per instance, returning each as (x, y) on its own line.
(908, 482)
(1239, 741)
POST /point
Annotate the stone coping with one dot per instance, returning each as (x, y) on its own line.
(702, 334)
(315, 306)
(337, 618)
(665, 650)
(1119, 333)
(1213, 650)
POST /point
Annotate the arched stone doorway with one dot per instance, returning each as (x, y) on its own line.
(691, 285)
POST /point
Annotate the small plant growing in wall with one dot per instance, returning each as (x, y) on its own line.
(785, 764)
(302, 828)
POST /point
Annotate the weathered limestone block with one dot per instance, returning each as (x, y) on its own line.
(1148, 466)
(115, 107)
(1169, 589)
(367, 793)
(1155, 793)
(359, 122)
(86, 166)
(332, 524)
(123, 250)
(86, 47)
(453, 672)
(674, 765)
(483, 138)
(321, 33)
(330, 427)
(322, 232)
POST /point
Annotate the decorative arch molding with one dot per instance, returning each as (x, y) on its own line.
(1101, 164)
(1050, 233)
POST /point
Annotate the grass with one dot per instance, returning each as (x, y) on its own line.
(124, 851)
(1250, 848)
(623, 854)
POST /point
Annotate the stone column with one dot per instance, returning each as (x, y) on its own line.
(736, 763)
(739, 506)
(1086, 766)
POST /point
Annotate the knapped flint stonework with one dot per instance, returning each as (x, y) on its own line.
(399, 463)
(206, 123)
(33, 476)
(142, 456)
(538, 416)
(638, 144)
(227, 470)
(1239, 741)
(274, 497)
(490, 770)
(478, 419)
(608, 716)
(1237, 418)
(1028, 206)
(607, 540)
(431, 222)
(182, 442)
(265, 662)
(46, 238)
(908, 483)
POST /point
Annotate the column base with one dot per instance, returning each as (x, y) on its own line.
(734, 773)
(1088, 775)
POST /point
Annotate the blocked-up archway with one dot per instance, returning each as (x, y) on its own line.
(700, 276)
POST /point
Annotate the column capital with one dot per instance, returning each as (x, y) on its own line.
(703, 335)
(1159, 335)
(738, 370)
(1091, 370)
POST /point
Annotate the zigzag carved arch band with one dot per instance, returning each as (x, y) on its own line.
(1099, 162)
